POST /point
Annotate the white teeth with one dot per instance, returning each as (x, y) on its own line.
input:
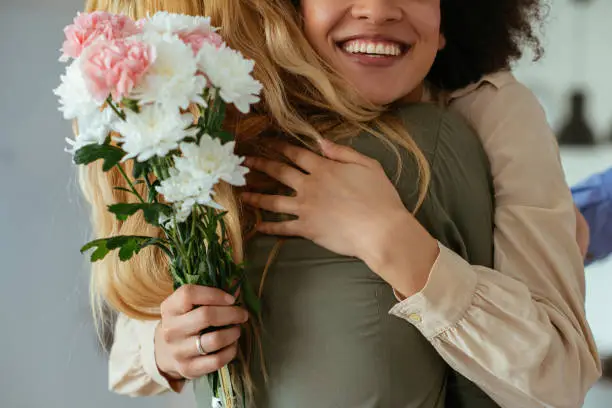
(372, 48)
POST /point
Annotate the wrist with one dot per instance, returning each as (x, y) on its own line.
(402, 252)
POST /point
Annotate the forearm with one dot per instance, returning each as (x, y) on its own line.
(403, 253)
(516, 345)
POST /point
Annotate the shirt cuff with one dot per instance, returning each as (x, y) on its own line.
(445, 298)
(149, 365)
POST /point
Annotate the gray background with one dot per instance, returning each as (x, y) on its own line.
(49, 357)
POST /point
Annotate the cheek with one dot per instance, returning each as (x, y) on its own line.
(317, 21)
(425, 18)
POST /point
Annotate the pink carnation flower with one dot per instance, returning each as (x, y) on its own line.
(115, 67)
(88, 27)
(198, 37)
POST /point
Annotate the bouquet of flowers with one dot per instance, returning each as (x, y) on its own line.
(132, 87)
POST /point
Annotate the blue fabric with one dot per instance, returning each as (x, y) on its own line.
(593, 197)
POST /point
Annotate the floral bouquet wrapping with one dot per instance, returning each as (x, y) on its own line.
(133, 87)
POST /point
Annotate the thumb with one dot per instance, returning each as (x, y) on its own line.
(343, 154)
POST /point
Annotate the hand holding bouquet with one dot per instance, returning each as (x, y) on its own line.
(132, 87)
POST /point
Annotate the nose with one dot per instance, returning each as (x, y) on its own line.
(376, 11)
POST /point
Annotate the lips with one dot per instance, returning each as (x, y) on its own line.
(377, 46)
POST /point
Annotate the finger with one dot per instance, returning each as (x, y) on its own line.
(211, 342)
(186, 297)
(200, 366)
(284, 228)
(344, 154)
(209, 316)
(273, 203)
(282, 172)
(303, 158)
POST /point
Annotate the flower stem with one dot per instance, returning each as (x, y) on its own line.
(127, 179)
(114, 108)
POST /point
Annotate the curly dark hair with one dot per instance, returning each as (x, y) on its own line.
(484, 36)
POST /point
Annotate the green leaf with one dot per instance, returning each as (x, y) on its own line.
(192, 279)
(151, 211)
(250, 297)
(128, 246)
(131, 104)
(111, 155)
(140, 168)
(153, 191)
(128, 249)
(224, 136)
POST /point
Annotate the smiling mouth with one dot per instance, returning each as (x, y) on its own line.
(374, 48)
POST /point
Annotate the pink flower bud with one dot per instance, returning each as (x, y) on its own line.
(89, 27)
(115, 67)
(198, 37)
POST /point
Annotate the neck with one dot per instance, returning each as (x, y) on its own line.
(416, 95)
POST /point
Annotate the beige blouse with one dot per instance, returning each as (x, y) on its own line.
(519, 331)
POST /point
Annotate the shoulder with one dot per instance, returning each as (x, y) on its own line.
(496, 97)
(507, 117)
(458, 210)
(456, 155)
(429, 123)
(438, 130)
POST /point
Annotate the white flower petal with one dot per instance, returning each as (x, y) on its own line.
(155, 131)
(229, 71)
(92, 128)
(172, 80)
(74, 97)
(163, 22)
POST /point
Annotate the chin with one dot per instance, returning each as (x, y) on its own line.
(381, 98)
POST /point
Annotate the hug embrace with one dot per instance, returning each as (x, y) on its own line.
(406, 221)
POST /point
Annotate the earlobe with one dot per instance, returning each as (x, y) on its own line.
(441, 42)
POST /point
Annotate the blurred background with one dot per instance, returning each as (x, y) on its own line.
(49, 355)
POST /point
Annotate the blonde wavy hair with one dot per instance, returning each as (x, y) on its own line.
(303, 99)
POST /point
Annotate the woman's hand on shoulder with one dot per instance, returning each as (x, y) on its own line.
(184, 315)
(346, 203)
(340, 200)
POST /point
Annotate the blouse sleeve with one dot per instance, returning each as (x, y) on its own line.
(519, 332)
(132, 369)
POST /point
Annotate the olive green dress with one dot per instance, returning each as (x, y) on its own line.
(328, 340)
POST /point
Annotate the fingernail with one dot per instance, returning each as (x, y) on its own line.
(230, 299)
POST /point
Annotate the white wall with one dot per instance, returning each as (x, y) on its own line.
(578, 52)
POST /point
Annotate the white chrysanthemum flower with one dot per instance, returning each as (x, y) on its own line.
(185, 191)
(74, 97)
(196, 173)
(92, 128)
(172, 80)
(155, 131)
(180, 187)
(211, 159)
(163, 22)
(76, 102)
(182, 211)
(229, 71)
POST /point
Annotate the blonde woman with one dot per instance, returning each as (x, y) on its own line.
(517, 331)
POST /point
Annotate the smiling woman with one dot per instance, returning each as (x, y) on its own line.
(362, 250)
(353, 37)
